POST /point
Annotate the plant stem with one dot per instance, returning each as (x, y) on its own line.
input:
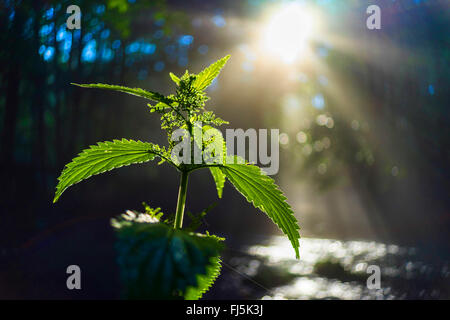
(181, 200)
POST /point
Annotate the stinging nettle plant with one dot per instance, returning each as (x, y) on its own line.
(158, 258)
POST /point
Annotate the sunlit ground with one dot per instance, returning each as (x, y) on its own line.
(332, 269)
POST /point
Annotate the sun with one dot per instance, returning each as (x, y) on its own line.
(287, 32)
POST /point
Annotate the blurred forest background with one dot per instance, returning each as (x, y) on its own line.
(363, 114)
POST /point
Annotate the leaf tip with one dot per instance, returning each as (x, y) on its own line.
(225, 59)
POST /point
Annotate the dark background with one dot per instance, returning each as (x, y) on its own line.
(380, 174)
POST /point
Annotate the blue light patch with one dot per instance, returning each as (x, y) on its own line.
(160, 22)
(159, 66)
(142, 74)
(318, 101)
(186, 40)
(183, 61)
(100, 9)
(42, 49)
(105, 34)
(107, 54)
(115, 44)
(87, 37)
(46, 29)
(132, 48)
(322, 52)
(158, 34)
(203, 49)
(60, 35)
(148, 48)
(89, 51)
(48, 54)
(49, 13)
(219, 21)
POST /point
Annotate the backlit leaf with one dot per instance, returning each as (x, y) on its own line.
(154, 96)
(262, 191)
(159, 262)
(206, 77)
(106, 156)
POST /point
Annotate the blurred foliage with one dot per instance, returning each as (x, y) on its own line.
(44, 121)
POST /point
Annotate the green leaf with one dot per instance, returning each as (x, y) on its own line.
(206, 77)
(262, 191)
(219, 179)
(154, 96)
(197, 218)
(159, 262)
(159, 107)
(174, 78)
(205, 281)
(106, 156)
